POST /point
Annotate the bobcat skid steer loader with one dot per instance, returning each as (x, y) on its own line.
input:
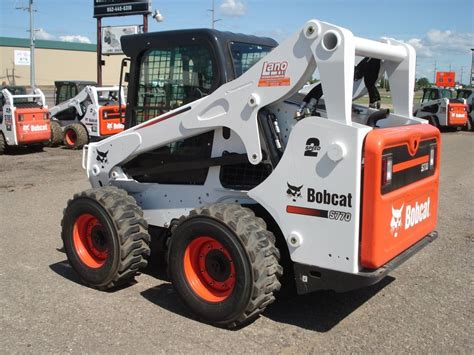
(24, 120)
(441, 109)
(248, 183)
(94, 113)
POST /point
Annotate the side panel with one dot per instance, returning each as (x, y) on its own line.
(396, 216)
(32, 125)
(316, 199)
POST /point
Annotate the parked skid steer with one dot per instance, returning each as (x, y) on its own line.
(24, 120)
(250, 184)
(441, 109)
(93, 113)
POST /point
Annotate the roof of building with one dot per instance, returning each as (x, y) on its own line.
(45, 44)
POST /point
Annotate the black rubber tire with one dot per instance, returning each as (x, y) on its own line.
(3, 144)
(254, 255)
(56, 135)
(126, 235)
(82, 137)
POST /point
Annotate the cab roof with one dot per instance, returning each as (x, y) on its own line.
(134, 44)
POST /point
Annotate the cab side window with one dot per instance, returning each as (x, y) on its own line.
(169, 78)
(172, 77)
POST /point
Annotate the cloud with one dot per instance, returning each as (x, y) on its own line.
(75, 38)
(233, 8)
(42, 34)
(437, 42)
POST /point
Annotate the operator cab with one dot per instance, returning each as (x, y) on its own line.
(66, 90)
(431, 94)
(173, 68)
(463, 94)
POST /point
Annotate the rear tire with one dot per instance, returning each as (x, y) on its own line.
(224, 264)
(3, 144)
(56, 135)
(105, 237)
(75, 136)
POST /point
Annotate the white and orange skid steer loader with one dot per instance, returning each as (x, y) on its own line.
(94, 113)
(24, 120)
(442, 109)
(248, 183)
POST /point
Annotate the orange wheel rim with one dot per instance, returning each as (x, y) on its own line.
(90, 242)
(209, 269)
(70, 137)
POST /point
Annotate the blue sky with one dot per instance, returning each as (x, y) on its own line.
(441, 31)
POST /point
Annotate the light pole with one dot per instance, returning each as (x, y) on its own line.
(213, 13)
(32, 43)
(32, 47)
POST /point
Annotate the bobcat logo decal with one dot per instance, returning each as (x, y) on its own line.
(102, 156)
(294, 192)
(396, 222)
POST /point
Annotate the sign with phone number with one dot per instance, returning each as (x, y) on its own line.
(103, 8)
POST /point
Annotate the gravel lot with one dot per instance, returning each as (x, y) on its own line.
(424, 306)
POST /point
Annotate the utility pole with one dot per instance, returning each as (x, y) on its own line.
(434, 75)
(32, 42)
(213, 13)
(462, 70)
(32, 48)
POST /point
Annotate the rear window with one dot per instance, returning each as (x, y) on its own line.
(245, 55)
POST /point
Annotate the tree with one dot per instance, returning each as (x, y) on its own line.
(422, 83)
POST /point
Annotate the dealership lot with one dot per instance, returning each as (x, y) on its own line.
(424, 306)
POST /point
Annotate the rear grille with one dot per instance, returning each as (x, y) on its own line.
(27, 105)
(406, 175)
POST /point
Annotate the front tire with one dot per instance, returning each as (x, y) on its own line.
(224, 264)
(75, 136)
(105, 237)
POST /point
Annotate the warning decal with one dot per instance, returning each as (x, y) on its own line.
(274, 74)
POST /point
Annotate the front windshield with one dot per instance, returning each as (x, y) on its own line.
(245, 55)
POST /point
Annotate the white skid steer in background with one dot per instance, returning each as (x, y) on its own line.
(94, 113)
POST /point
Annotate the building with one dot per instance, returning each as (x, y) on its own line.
(54, 60)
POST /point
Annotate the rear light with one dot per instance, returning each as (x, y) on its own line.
(21, 117)
(387, 164)
(432, 156)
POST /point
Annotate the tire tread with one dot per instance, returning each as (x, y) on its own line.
(132, 231)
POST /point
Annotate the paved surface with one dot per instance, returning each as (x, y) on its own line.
(424, 306)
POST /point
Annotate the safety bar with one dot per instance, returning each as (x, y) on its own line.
(373, 49)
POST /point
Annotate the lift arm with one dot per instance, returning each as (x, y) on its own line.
(278, 75)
